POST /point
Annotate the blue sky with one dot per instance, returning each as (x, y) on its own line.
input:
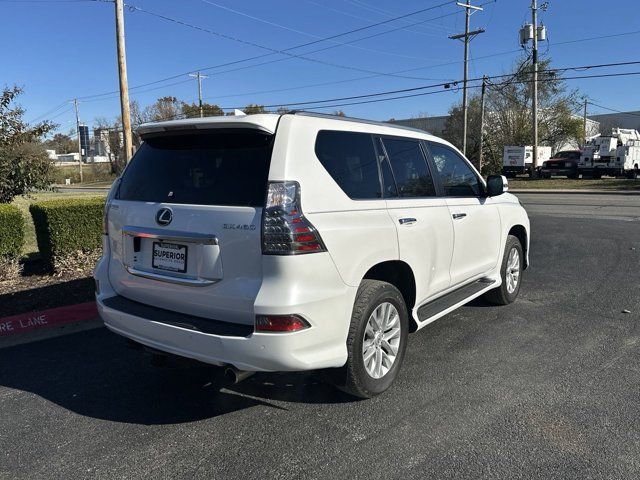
(59, 50)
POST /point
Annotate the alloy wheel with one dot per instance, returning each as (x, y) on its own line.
(381, 340)
(513, 270)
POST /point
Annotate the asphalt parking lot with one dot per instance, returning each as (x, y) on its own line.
(545, 388)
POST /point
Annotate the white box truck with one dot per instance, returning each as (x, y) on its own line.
(519, 160)
(615, 155)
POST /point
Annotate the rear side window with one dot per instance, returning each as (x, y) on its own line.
(350, 159)
(458, 179)
(409, 166)
(225, 167)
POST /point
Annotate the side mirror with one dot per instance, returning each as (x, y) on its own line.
(497, 185)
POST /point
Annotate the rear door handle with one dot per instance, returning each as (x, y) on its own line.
(458, 216)
(407, 221)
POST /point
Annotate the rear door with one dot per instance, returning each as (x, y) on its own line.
(425, 231)
(476, 221)
(185, 227)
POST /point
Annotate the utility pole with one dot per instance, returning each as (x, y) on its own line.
(482, 103)
(467, 36)
(534, 20)
(124, 87)
(584, 122)
(75, 104)
(199, 76)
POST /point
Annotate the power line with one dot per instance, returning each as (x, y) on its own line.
(483, 57)
(370, 98)
(256, 57)
(287, 51)
(306, 34)
(623, 34)
(146, 90)
(113, 94)
(342, 12)
(471, 86)
(631, 114)
(384, 12)
(49, 112)
(390, 74)
(422, 94)
(413, 69)
(68, 110)
(313, 105)
(404, 90)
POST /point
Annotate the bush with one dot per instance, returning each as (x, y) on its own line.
(24, 164)
(69, 232)
(11, 240)
(23, 168)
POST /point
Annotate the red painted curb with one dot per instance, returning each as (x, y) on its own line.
(27, 322)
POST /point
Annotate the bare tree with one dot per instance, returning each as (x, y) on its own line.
(110, 133)
(508, 115)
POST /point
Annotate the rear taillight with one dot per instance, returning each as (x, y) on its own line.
(285, 230)
(280, 323)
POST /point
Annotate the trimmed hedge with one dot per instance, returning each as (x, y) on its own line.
(69, 231)
(11, 232)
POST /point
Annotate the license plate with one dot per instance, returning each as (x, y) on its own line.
(169, 256)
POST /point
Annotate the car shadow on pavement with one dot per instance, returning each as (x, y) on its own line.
(94, 373)
(50, 292)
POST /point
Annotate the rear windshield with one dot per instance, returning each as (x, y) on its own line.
(225, 167)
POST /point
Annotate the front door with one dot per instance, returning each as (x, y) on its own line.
(476, 221)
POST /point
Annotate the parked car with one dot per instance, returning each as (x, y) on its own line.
(564, 163)
(301, 242)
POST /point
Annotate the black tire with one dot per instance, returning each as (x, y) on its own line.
(353, 378)
(502, 295)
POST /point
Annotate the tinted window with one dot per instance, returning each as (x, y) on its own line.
(222, 168)
(458, 179)
(350, 159)
(409, 168)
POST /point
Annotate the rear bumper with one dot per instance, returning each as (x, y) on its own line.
(303, 350)
(323, 345)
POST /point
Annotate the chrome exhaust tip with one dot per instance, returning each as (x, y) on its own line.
(232, 375)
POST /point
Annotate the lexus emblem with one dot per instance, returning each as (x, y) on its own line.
(164, 216)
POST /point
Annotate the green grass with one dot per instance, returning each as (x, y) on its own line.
(91, 172)
(565, 183)
(30, 244)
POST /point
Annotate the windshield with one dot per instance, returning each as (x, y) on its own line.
(568, 155)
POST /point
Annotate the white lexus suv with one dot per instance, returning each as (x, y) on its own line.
(301, 242)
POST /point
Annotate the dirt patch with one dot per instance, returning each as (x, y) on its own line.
(36, 290)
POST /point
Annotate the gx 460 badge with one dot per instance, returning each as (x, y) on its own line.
(238, 226)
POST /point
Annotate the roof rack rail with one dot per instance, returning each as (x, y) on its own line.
(354, 120)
